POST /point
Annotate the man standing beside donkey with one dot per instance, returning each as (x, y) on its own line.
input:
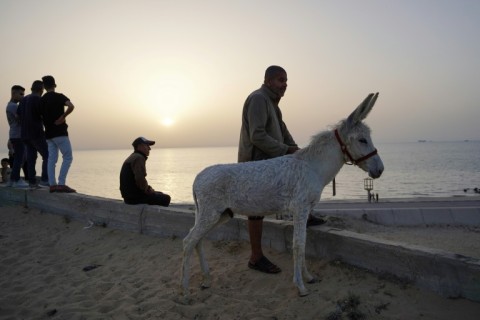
(264, 135)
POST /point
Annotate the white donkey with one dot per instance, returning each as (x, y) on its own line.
(291, 184)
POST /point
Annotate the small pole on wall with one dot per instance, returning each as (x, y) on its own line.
(368, 185)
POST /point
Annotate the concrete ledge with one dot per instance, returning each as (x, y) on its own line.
(443, 272)
(452, 216)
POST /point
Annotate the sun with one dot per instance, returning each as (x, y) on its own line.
(170, 98)
(168, 122)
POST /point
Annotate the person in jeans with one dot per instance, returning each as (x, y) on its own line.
(33, 135)
(52, 110)
(133, 183)
(15, 138)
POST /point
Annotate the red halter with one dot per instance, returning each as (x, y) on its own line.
(345, 152)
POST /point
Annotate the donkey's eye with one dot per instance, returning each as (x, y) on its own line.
(362, 140)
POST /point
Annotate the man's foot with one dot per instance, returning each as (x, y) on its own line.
(20, 184)
(43, 183)
(53, 189)
(264, 265)
(33, 185)
(314, 221)
(65, 189)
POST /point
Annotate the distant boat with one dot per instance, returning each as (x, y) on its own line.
(422, 140)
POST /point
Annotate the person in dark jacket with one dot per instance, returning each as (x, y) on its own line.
(33, 135)
(133, 183)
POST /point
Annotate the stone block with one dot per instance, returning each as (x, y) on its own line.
(437, 216)
(408, 217)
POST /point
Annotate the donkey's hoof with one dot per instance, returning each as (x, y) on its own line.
(303, 293)
(312, 280)
(184, 299)
(206, 282)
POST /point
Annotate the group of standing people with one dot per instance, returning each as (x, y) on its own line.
(37, 125)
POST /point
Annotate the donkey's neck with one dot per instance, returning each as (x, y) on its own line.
(324, 155)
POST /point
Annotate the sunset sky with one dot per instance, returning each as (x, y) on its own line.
(179, 71)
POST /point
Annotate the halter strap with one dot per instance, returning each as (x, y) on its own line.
(345, 151)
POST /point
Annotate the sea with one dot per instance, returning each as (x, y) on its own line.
(412, 170)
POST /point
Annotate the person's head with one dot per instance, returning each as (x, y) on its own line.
(5, 163)
(276, 79)
(17, 93)
(142, 145)
(49, 83)
(37, 87)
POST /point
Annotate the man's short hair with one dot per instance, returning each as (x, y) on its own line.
(272, 71)
(48, 82)
(6, 160)
(17, 88)
(37, 86)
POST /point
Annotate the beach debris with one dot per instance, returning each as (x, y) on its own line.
(90, 224)
(381, 307)
(91, 267)
(52, 312)
(349, 306)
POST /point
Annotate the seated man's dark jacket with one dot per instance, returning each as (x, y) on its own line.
(133, 182)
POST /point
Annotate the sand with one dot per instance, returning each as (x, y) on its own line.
(137, 277)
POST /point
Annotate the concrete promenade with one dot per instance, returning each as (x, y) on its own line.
(454, 211)
(446, 273)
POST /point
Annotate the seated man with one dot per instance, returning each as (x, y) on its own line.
(133, 184)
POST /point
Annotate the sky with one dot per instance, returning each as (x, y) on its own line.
(178, 72)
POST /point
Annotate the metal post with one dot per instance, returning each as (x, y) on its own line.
(368, 185)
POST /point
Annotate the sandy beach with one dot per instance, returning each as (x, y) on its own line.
(53, 268)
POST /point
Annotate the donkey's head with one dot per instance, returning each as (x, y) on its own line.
(354, 139)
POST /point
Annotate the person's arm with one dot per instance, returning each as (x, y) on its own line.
(288, 140)
(12, 116)
(69, 110)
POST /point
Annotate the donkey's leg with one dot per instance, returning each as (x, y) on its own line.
(189, 242)
(224, 217)
(206, 281)
(203, 224)
(299, 240)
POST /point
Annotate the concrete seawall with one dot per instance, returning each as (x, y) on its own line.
(458, 211)
(445, 273)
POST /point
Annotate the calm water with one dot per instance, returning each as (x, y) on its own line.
(430, 169)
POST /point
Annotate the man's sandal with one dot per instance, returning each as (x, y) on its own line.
(264, 265)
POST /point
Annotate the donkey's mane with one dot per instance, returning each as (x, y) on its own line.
(321, 140)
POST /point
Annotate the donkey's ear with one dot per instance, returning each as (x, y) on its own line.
(362, 110)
